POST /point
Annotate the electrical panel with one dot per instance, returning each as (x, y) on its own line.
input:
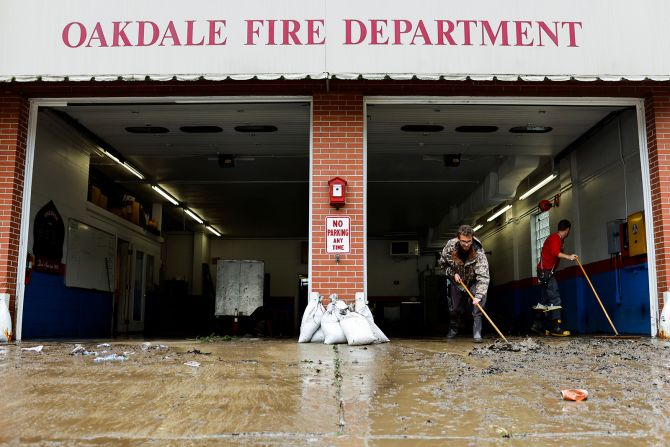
(637, 235)
(614, 236)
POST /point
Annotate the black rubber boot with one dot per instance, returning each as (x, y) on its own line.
(453, 331)
(477, 329)
(558, 331)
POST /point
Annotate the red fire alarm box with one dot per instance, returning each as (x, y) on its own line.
(337, 191)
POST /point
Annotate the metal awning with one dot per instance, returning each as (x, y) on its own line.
(342, 76)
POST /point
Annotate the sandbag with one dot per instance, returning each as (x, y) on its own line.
(311, 318)
(362, 308)
(319, 336)
(332, 330)
(357, 329)
(5, 318)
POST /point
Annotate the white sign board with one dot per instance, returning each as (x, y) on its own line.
(299, 38)
(338, 234)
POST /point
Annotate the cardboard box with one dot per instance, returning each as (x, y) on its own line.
(103, 201)
(95, 194)
(135, 213)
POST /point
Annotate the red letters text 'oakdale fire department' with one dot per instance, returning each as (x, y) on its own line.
(216, 32)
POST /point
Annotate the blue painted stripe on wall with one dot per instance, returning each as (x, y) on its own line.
(627, 304)
(51, 310)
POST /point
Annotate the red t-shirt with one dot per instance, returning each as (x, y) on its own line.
(553, 245)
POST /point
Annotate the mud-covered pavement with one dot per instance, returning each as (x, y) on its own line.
(280, 393)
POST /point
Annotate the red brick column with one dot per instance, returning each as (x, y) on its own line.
(337, 152)
(657, 110)
(13, 140)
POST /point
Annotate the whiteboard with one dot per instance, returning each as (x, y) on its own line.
(91, 257)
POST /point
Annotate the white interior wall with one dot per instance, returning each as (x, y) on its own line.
(60, 173)
(598, 195)
(178, 257)
(385, 270)
(281, 257)
(604, 197)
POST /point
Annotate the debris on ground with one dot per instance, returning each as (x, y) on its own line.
(103, 345)
(192, 364)
(146, 346)
(34, 348)
(213, 338)
(527, 345)
(197, 351)
(576, 395)
(78, 349)
(502, 432)
(110, 358)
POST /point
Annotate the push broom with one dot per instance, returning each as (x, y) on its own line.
(596, 294)
(482, 311)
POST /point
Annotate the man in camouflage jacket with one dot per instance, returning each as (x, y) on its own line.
(463, 259)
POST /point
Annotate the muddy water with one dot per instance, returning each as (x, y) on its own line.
(278, 392)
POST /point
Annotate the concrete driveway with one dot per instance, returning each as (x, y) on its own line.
(262, 392)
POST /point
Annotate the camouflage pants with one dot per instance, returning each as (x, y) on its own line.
(459, 301)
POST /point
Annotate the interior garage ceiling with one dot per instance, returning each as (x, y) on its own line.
(266, 193)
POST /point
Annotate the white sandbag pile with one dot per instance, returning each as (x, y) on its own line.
(361, 307)
(5, 318)
(311, 319)
(339, 322)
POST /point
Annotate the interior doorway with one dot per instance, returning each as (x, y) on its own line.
(134, 280)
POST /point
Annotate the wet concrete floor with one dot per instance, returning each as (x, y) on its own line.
(255, 392)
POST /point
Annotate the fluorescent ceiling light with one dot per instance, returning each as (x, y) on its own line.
(133, 170)
(538, 186)
(193, 215)
(112, 156)
(477, 227)
(499, 212)
(213, 230)
(167, 196)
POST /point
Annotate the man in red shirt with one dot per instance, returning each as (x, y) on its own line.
(548, 319)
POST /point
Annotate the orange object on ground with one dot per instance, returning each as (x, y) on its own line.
(576, 395)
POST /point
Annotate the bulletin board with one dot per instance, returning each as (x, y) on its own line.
(91, 257)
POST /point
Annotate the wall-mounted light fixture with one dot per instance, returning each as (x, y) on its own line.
(538, 186)
(193, 215)
(477, 227)
(165, 194)
(499, 212)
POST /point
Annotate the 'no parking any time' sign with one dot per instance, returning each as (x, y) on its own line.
(338, 234)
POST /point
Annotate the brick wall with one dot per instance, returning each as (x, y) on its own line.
(337, 152)
(338, 135)
(13, 137)
(657, 109)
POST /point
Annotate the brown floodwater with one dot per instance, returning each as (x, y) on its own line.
(258, 392)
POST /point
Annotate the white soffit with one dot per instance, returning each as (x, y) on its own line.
(341, 76)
